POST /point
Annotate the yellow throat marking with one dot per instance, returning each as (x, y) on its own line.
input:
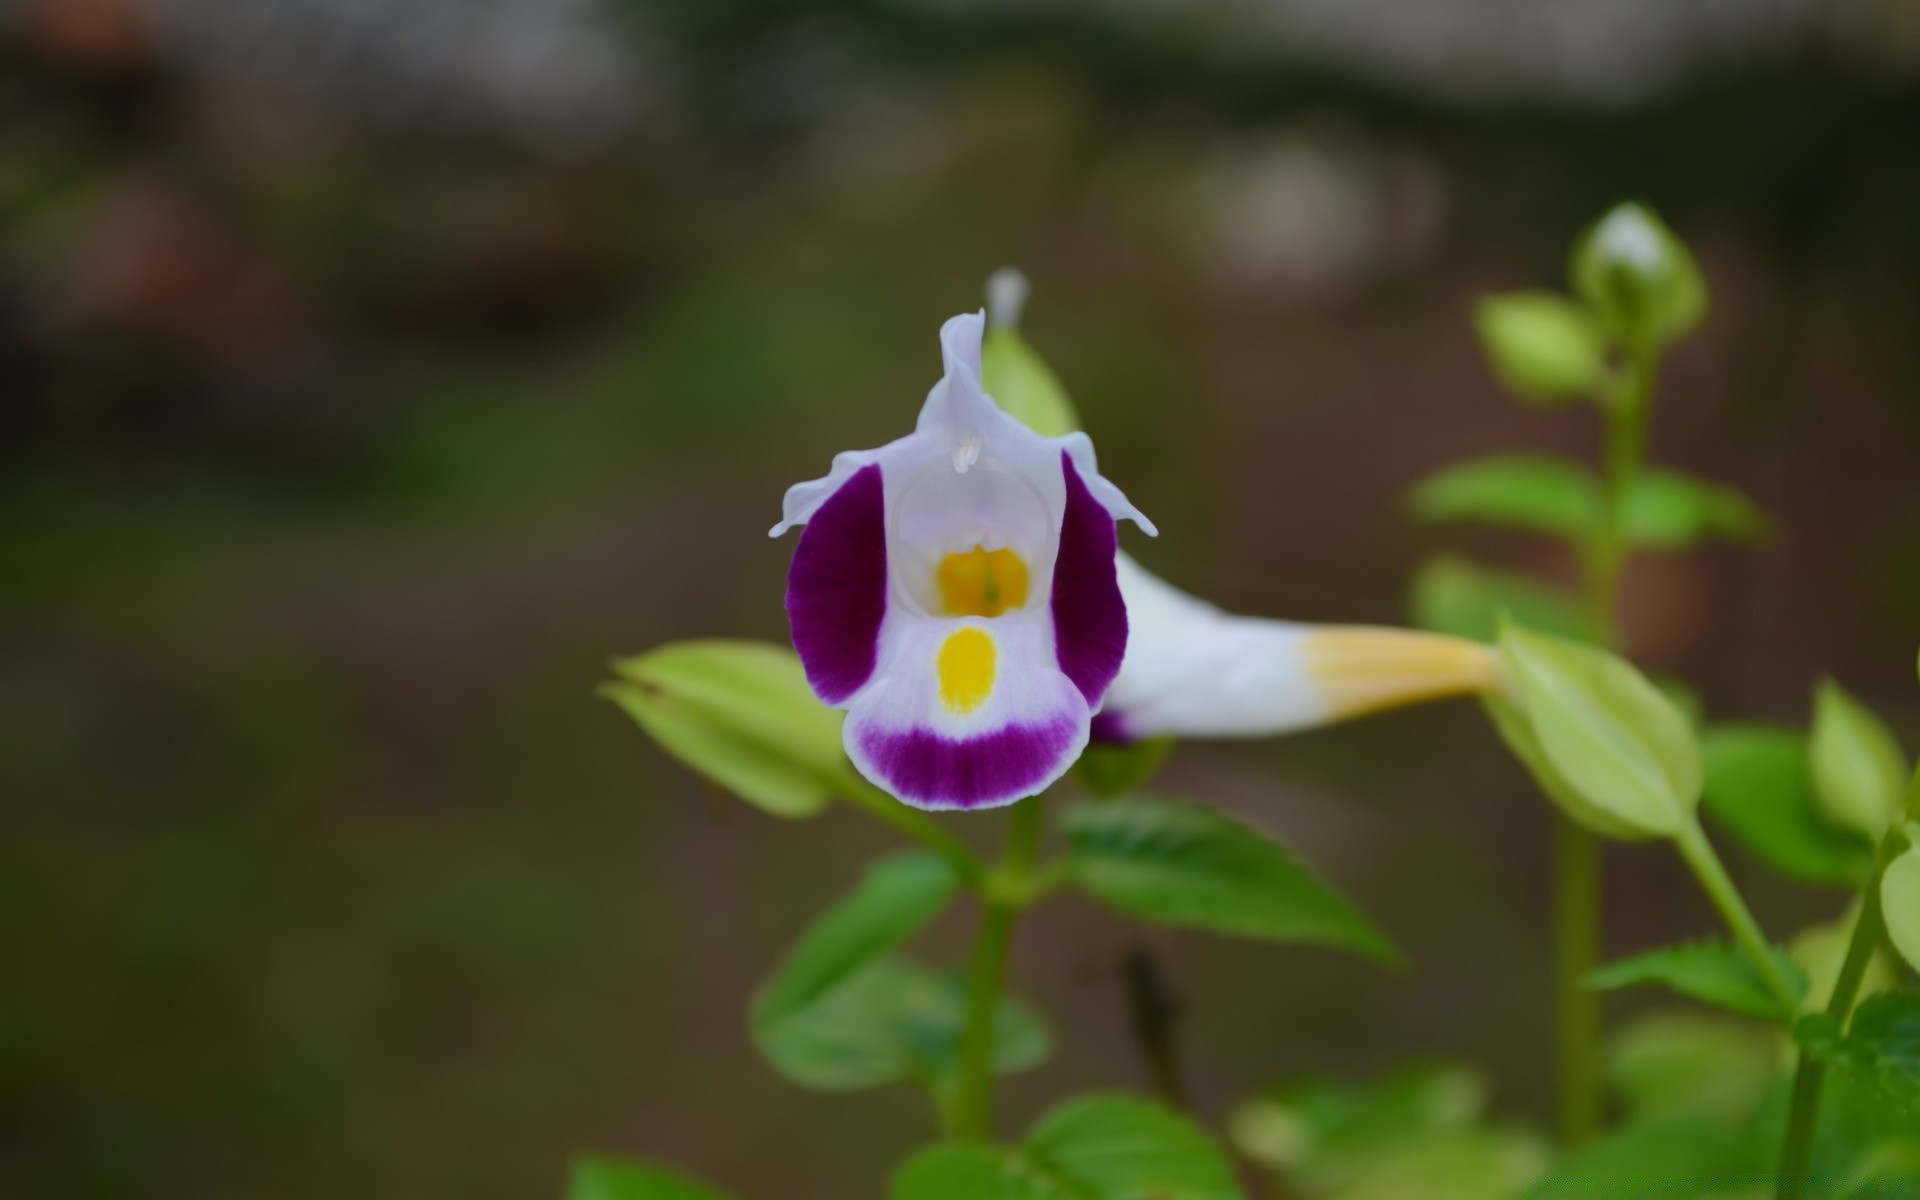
(981, 583)
(966, 666)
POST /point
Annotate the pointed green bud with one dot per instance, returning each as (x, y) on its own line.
(741, 714)
(1017, 378)
(1639, 278)
(1624, 759)
(1542, 346)
(1859, 770)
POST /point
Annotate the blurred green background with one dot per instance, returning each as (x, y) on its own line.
(371, 373)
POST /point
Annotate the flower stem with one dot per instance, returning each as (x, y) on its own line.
(918, 826)
(1712, 874)
(1810, 1074)
(1000, 906)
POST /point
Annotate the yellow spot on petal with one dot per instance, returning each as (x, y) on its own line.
(1360, 670)
(966, 665)
(982, 583)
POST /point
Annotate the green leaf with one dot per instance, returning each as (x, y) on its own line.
(1541, 345)
(1184, 865)
(617, 1179)
(1092, 1148)
(1639, 277)
(1455, 596)
(896, 898)
(1024, 387)
(1418, 1134)
(1668, 510)
(1880, 1047)
(1859, 770)
(1759, 785)
(1534, 492)
(1680, 1066)
(1712, 972)
(1609, 734)
(1680, 1160)
(741, 714)
(1900, 900)
(892, 1022)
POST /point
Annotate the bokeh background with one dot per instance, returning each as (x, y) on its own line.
(371, 372)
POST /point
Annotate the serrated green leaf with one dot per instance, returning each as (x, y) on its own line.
(897, 896)
(1024, 387)
(892, 1022)
(1759, 786)
(1615, 741)
(1542, 346)
(619, 1179)
(1668, 510)
(1183, 865)
(1681, 1160)
(741, 714)
(1859, 770)
(1880, 1047)
(1456, 596)
(1900, 901)
(1093, 1148)
(1639, 277)
(1111, 769)
(1712, 972)
(1535, 492)
(1686, 1065)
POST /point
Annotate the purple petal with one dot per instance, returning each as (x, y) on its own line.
(1089, 617)
(837, 587)
(929, 770)
(1110, 727)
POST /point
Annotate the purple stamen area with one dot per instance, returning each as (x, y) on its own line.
(928, 770)
(1089, 617)
(837, 587)
(1110, 727)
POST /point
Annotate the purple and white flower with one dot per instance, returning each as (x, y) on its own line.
(955, 592)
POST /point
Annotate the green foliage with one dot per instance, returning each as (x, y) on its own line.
(1859, 770)
(1678, 1160)
(1542, 346)
(1639, 278)
(1419, 1134)
(1759, 786)
(741, 714)
(1684, 1065)
(1712, 972)
(1624, 760)
(1456, 596)
(1900, 899)
(896, 898)
(1183, 865)
(1880, 1047)
(1024, 387)
(1670, 510)
(1539, 493)
(618, 1179)
(1093, 1148)
(892, 1022)
(1534, 492)
(1108, 769)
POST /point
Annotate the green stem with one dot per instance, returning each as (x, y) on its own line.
(1712, 874)
(920, 827)
(1576, 916)
(1001, 901)
(1810, 1074)
(1577, 870)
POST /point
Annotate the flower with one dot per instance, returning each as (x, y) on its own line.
(956, 592)
(1192, 670)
